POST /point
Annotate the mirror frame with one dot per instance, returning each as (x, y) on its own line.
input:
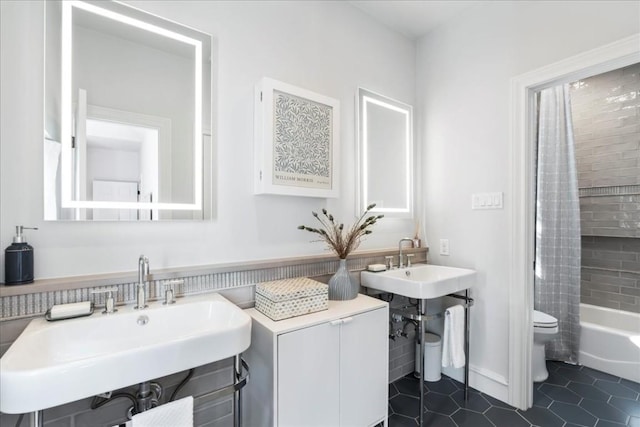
(364, 98)
(201, 43)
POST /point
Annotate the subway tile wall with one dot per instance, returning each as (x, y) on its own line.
(606, 119)
(605, 110)
(401, 348)
(610, 273)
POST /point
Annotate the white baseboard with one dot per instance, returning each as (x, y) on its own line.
(482, 380)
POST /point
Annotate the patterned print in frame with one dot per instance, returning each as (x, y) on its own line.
(302, 142)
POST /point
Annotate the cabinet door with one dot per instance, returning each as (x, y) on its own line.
(364, 351)
(308, 376)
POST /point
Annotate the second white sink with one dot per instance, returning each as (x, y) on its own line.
(422, 281)
(52, 363)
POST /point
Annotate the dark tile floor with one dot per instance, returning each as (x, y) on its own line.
(571, 396)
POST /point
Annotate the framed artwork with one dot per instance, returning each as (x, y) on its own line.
(296, 134)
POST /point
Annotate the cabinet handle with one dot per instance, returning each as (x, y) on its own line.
(347, 320)
(335, 322)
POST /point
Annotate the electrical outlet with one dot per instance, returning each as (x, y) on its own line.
(444, 246)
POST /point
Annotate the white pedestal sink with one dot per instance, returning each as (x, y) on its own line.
(52, 363)
(423, 281)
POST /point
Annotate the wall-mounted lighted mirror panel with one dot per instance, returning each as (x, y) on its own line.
(385, 133)
(127, 115)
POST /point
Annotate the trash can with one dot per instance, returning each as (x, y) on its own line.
(432, 357)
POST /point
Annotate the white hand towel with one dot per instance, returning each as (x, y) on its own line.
(178, 413)
(453, 337)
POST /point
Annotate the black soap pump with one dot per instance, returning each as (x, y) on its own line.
(19, 259)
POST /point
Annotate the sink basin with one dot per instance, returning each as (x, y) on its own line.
(52, 363)
(423, 281)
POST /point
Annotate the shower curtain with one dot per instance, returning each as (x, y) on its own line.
(557, 275)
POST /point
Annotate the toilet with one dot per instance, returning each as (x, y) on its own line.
(545, 328)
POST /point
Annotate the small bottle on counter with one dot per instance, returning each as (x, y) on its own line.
(18, 258)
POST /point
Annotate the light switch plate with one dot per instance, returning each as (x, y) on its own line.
(487, 200)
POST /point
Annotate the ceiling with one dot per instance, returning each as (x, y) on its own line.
(413, 18)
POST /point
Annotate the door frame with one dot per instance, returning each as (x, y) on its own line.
(606, 58)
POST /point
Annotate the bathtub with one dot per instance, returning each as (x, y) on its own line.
(610, 341)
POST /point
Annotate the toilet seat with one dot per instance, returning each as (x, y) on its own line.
(543, 320)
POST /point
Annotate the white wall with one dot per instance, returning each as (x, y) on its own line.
(463, 80)
(327, 47)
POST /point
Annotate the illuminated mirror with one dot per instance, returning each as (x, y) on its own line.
(385, 154)
(127, 115)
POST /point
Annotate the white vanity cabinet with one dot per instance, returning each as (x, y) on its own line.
(322, 369)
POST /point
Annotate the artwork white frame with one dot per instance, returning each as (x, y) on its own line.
(289, 159)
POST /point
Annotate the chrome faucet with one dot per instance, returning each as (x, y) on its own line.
(405, 239)
(143, 272)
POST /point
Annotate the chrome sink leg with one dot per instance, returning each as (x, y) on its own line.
(421, 328)
(237, 397)
(36, 419)
(466, 346)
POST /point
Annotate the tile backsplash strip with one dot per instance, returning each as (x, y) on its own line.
(33, 300)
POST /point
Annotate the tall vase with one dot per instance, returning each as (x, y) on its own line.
(341, 287)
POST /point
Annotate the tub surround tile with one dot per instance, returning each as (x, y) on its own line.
(607, 139)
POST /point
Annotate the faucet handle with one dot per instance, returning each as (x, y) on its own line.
(409, 256)
(109, 304)
(389, 259)
(169, 293)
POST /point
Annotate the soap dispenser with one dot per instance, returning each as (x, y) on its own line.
(19, 259)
